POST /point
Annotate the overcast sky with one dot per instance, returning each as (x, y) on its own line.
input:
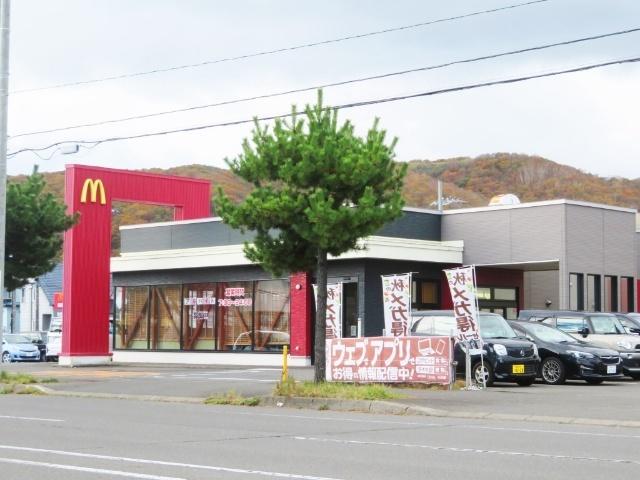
(588, 120)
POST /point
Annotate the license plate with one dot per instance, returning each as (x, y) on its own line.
(517, 369)
(611, 369)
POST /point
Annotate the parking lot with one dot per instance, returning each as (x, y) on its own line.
(614, 400)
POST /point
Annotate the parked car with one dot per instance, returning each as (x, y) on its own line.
(597, 328)
(18, 348)
(38, 339)
(565, 357)
(507, 358)
(630, 321)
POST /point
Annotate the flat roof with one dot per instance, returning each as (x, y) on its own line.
(561, 201)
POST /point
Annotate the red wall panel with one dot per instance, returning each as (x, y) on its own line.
(301, 322)
(87, 246)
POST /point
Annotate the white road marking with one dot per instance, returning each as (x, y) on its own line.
(166, 463)
(470, 450)
(31, 419)
(101, 471)
(440, 425)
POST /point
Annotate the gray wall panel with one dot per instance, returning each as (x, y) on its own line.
(507, 235)
(418, 225)
(422, 226)
(539, 287)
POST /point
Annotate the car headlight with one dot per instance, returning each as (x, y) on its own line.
(535, 350)
(578, 354)
(500, 349)
(624, 344)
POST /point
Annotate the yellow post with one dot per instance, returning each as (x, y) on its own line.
(285, 367)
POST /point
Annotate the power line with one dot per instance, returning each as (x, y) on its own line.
(337, 107)
(326, 85)
(278, 50)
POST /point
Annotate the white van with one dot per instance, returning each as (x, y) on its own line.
(54, 339)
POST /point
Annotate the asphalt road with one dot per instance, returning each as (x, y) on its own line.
(84, 438)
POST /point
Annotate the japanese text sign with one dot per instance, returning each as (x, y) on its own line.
(463, 294)
(334, 309)
(396, 296)
(389, 359)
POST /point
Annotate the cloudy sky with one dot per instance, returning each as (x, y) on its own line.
(588, 120)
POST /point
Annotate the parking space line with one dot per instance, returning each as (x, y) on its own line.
(470, 450)
(31, 419)
(166, 463)
(101, 471)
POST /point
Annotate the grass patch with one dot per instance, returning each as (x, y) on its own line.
(343, 391)
(29, 391)
(232, 398)
(7, 390)
(17, 378)
(23, 378)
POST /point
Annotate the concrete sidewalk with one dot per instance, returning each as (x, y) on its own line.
(612, 403)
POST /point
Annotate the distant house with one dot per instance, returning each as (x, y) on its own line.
(35, 303)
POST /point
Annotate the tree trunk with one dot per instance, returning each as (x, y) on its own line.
(321, 317)
(12, 319)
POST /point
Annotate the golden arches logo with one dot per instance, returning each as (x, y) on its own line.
(93, 187)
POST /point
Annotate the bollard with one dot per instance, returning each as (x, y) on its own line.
(285, 367)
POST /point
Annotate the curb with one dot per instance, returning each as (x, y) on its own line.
(364, 406)
(119, 396)
(394, 408)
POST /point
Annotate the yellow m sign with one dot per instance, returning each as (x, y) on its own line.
(93, 187)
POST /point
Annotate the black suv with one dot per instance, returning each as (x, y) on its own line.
(507, 358)
(598, 328)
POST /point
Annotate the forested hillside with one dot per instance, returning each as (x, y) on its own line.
(468, 182)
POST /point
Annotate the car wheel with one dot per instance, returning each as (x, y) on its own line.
(553, 371)
(594, 381)
(6, 357)
(483, 374)
(526, 382)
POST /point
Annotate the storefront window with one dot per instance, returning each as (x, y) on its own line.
(271, 315)
(131, 317)
(610, 294)
(235, 316)
(626, 294)
(593, 293)
(164, 322)
(198, 319)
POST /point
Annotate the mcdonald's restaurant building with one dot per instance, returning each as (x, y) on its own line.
(185, 293)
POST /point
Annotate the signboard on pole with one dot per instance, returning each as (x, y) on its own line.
(334, 309)
(396, 298)
(390, 359)
(465, 307)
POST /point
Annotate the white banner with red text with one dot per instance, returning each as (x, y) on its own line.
(465, 307)
(334, 309)
(396, 299)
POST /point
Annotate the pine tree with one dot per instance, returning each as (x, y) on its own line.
(35, 223)
(317, 189)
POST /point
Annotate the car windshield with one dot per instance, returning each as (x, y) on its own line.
(607, 325)
(434, 324)
(547, 334)
(17, 339)
(494, 326)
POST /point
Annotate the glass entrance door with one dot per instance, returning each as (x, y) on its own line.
(350, 310)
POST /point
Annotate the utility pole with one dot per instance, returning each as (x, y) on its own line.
(5, 10)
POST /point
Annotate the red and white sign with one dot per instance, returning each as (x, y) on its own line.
(396, 297)
(389, 359)
(463, 294)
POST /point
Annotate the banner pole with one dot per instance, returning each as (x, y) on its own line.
(475, 286)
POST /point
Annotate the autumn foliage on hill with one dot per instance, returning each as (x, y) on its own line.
(468, 182)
